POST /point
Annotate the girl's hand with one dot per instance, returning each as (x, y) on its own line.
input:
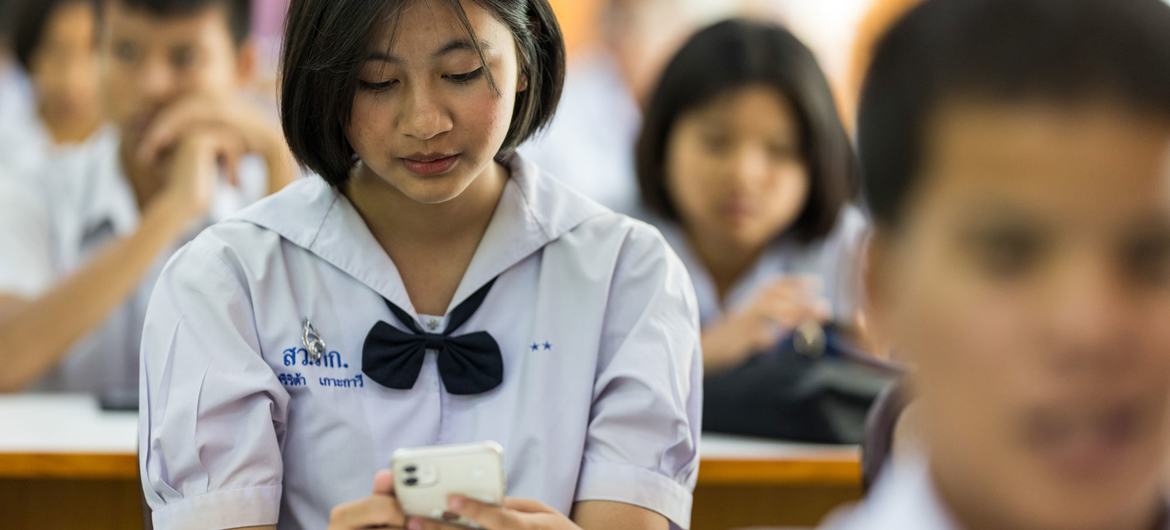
(780, 306)
(379, 510)
(515, 514)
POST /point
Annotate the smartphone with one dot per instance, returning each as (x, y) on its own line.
(424, 477)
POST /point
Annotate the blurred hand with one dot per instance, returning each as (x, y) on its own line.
(782, 305)
(192, 171)
(231, 118)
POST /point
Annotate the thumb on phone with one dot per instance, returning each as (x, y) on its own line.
(384, 482)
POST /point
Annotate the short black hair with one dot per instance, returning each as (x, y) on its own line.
(239, 12)
(1001, 52)
(30, 18)
(325, 46)
(731, 55)
(6, 16)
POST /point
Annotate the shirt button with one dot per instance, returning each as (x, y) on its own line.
(432, 324)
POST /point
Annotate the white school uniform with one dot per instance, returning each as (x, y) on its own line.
(16, 93)
(834, 260)
(25, 144)
(23, 140)
(595, 319)
(59, 217)
(903, 498)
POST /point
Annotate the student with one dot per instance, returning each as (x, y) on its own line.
(15, 94)
(1016, 156)
(74, 285)
(56, 45)
(452, 292)
(745, 165)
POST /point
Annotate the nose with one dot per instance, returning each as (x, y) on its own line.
(424, 117)
(749, 165)
(1090, 310)
(78, 77)
(156, 81)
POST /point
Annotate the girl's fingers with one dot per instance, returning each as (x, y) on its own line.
(384, 482)
(374, 511)
(527, 506)
(486, 515)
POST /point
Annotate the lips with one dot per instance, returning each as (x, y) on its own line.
(430, 164)
(1087, 443)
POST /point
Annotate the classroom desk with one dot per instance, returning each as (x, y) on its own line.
(66, 464)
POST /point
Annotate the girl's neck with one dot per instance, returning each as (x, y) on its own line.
(68, 129)
(724, 260)
(431, 244)
(395, 218)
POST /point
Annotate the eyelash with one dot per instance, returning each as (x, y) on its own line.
(461, 79)
(378, 87)
(466, 78)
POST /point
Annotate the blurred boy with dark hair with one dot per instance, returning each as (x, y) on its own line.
(74, 282)
(1016, 159)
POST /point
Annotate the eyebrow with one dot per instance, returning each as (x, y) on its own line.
(456, 45)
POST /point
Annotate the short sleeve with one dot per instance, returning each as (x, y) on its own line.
(27, 266)
(212, 411)
(642, 442)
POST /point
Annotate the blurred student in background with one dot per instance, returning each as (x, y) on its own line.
(56, 45)
(745, 163)
(590, 143)
(74, 280)
(1016, 156)
(15, 93)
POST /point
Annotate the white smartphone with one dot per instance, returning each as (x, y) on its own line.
(424, 477)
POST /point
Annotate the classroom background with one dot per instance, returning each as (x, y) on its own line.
(65, 451)
(68, 461)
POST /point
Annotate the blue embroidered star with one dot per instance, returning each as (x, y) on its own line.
(535, 346)
(547, 346)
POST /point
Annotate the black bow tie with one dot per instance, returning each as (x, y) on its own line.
(468, 364)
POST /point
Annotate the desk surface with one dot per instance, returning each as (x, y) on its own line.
(69, 436)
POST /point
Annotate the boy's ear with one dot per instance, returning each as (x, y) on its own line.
(247, 63)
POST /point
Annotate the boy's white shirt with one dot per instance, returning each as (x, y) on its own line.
(68, 209)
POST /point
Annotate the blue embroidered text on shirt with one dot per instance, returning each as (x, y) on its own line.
(354, 382)
(329, 360)
(292, 379)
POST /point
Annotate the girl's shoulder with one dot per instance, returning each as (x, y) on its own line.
(256, 232)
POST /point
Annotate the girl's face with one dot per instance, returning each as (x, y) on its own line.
(1029, 285)
(64, 70)
(425, 119)
(735, 170)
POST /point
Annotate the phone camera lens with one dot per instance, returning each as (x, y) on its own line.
(410, 469)
(412, 481)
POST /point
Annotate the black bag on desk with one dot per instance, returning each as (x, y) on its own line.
(818, 393)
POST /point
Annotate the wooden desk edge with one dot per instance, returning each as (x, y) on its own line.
(834, 472)
(712, 472)
(103, 466)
